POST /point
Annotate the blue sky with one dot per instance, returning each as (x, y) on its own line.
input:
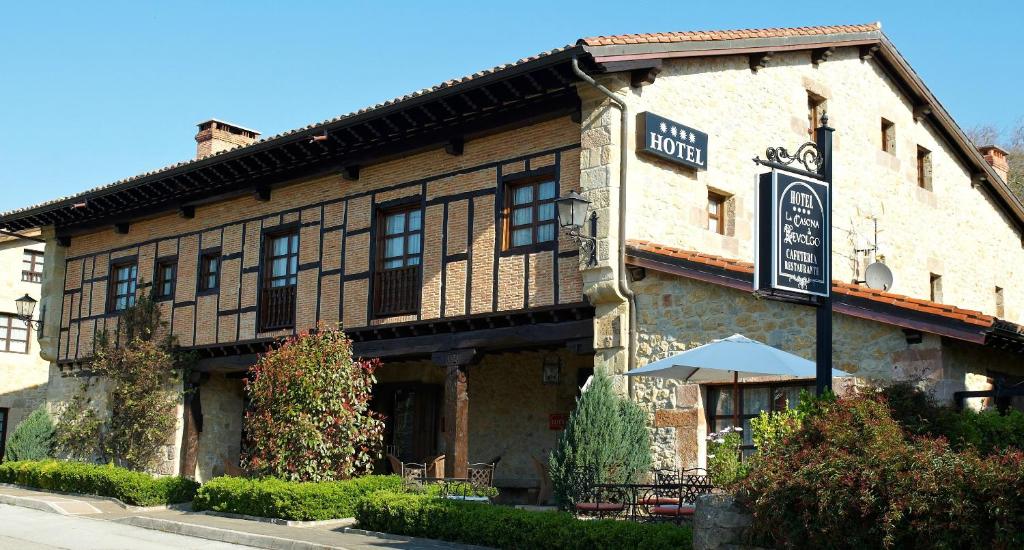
(95, 92)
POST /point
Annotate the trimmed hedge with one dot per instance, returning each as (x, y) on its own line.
(130, 487)
(420, 515)
(301, 501)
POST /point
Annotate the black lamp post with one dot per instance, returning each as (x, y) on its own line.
(572, 216)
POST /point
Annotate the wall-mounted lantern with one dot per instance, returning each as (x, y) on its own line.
(26, 307)
(572, 216)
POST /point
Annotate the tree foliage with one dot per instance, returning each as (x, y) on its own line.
(309, 417)
(32, 439)
(605, 441)
(141, 368)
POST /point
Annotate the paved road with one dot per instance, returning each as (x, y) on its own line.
(27, 529)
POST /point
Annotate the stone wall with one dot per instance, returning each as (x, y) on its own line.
(921, 231)
(22, 375)
(676, 313)
(220, 442)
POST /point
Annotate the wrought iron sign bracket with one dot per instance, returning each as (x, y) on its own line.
(809, 155)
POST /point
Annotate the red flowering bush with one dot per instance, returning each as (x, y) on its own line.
(852, 478)
(309, 417)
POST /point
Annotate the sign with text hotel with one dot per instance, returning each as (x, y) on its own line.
(672, 141)
(793, 234)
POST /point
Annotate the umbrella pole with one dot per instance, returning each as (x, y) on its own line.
(735, 398)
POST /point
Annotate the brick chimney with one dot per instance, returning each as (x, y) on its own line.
(996, 156)
(216, 135)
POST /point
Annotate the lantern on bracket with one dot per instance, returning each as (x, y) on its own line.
(573, 213)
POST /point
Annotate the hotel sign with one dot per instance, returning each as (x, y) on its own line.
(794, 225)
(672, 141)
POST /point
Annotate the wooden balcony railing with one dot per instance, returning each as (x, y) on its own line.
(277, 308)
(396, 291)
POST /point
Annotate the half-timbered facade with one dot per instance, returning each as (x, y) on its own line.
(426, 227)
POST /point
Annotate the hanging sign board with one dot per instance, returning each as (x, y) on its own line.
(672, 141)
(793, 241)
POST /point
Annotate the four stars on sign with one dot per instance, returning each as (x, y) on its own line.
(677, 132)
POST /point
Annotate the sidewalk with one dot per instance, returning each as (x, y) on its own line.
(214, 527)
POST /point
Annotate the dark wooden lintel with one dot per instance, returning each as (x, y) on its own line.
(760, 60)
(455, 357)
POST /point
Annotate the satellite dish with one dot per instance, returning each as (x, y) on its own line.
(878, 276)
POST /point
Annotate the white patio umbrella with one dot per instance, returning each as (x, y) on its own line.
(728, 360)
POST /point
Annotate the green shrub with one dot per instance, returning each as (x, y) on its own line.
(32, 439)
(309, 416)
(110, 481)
(851, 478)
(725, 462)
(292, 500)
(605, 441)
(502, 527)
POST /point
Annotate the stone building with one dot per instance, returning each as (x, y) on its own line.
(23, 373)
(426, 226)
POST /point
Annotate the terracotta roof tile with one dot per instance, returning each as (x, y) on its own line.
(738, 34)
(839, 287)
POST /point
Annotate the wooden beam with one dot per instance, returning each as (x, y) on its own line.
(978, 179)
(868, 51)
(456, 425)
(921, 111)
(65, 241)
(642, 77)
(821, 55)
(262, 193)
(121, 228)
(455, 146)
(630, 65)
(188, 212)
(760, 60)
(350, 173)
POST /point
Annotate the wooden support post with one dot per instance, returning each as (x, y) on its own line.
(193, 427)
(456, 411)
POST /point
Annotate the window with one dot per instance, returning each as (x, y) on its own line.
(209, 270)
(280, 275)
(396, 286)
(815, 109)
(723, 411)
(122, 286)
(936, 287)
(924, 168)
(716, 213)
(1000, 303)
(13, 334)
(33, 266)
(888, 136)
(530, 212)
(164, 279)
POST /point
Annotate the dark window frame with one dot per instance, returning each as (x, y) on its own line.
(5, 342)
(34, 258)
(816, 106)
(888, 132)
(267, 277)
(203, 285)
(112, 281)
(508, 225)
(738, 417)
(935, 287)
(924, 168)
(159, 280)
(409, 300)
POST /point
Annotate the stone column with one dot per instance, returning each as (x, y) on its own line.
(52, 294)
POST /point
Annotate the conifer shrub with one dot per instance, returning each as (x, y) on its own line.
(605, 441)
(32, 439)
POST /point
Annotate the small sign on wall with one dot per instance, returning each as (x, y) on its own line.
(793, 234)
(672, 141)
(557, 421)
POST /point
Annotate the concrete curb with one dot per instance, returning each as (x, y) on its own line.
(32, 503)
(342, 522)
(184, 506)
(223, 535)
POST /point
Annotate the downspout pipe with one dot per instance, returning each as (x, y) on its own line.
(624, 288)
